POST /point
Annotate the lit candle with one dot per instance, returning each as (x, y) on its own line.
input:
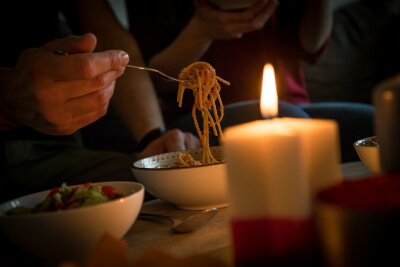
(274, 167)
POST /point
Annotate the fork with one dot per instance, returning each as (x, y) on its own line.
(159, 72)
(170, 77)
(63, 53)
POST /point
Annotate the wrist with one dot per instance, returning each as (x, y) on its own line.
(150, 137)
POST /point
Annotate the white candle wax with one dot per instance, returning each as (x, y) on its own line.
(276, 166)
(265, 171)
(320, 151)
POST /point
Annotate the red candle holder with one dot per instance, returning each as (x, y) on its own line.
(358, 222)
(272, 242)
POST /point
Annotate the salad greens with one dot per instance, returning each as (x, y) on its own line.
(66, 197)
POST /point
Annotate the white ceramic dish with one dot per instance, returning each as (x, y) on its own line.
(191, 188)
(369, 153)
(70, 234)
(233, 4)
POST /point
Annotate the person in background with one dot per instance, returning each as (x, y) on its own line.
(52, 89)
(238, 43)
(100, 19)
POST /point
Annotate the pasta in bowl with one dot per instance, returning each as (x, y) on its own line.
(193, 187)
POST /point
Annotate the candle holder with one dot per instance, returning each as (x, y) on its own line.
(358, 222)
(386, 97)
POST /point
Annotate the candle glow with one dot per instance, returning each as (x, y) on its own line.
(269, 96)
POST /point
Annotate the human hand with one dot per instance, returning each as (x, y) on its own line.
(171, 141)
(58, 94)
(220, 24)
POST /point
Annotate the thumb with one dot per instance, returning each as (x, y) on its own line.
(73, 44)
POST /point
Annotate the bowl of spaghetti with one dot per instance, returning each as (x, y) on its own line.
(194, 179)
(180, 178)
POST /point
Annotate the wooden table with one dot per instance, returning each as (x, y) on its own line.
(213, 239)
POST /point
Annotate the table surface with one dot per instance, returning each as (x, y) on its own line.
(213, 239)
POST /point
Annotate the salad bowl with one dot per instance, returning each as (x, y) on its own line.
(70, 234)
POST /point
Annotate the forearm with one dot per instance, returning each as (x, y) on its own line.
(316, 24)
(134, 96)
(191, 44)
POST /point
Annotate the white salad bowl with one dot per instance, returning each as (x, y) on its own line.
(70, 234)
(191, 188)
(233, 4)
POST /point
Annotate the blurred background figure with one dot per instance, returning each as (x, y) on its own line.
(363, 51)
(98, 17)
(236, 42)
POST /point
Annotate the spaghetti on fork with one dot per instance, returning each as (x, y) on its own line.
(205, 86)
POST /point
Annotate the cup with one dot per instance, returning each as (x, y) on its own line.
(358, 222)
(386, 98)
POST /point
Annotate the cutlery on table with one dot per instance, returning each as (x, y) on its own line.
(190, 224)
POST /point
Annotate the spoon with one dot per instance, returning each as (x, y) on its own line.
(190, 224)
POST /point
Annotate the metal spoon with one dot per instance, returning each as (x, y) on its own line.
(190, 224)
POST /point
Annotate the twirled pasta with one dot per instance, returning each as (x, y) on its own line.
(203, 81)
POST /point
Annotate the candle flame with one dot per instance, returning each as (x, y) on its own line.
(269, 96)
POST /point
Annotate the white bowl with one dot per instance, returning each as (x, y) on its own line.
(71, 234)
(233, 4)
(191, 188)
(368, 152)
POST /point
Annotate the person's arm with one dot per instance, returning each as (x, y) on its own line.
(316, 25)
(57, 94)
(134, 98)
(208, 24)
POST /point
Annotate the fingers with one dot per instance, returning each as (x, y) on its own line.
(73, 44)
(177, 140)
(96, 101)
(80, 62)
(174, 140)
(75, 114)
(233, 24)
(74, 89)
(249, 13)
(74, 124)
(191, 141)
(171, 141)
(86, 66)
(255, 17)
